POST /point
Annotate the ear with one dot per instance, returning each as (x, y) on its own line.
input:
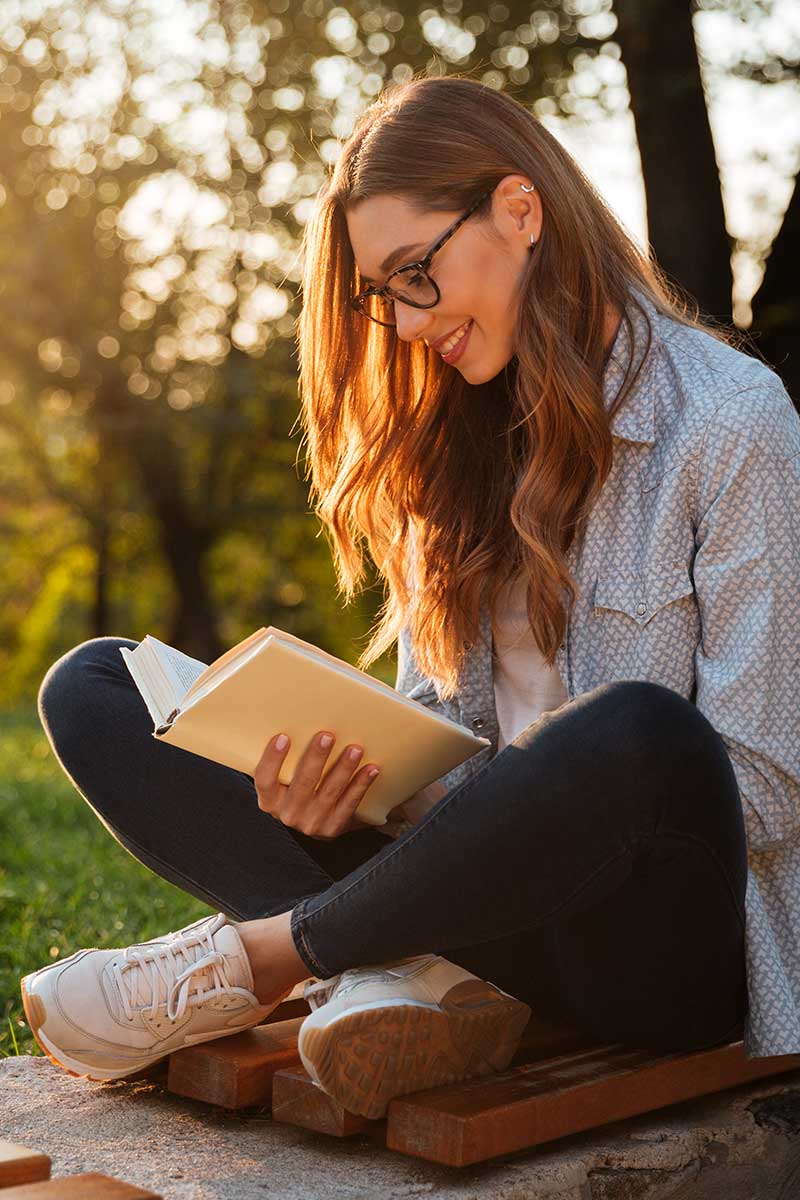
(517, 213)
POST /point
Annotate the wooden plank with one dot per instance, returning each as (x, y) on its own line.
(296, 1099)
(92, 1186)
(18, 1164)
(287, 1010)
(235, 1071)
(537, 1102)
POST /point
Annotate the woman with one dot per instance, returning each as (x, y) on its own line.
(584, 504)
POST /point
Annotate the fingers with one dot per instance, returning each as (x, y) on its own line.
(331, 819)
(310, 765)
(318, 809)
(268, 788)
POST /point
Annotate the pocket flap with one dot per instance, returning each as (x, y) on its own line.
(422, 691)
(640, 594)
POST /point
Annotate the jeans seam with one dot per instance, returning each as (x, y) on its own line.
(698, 841)
(301, 942)
(546, 917)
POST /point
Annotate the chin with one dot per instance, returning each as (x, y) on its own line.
(479, 372)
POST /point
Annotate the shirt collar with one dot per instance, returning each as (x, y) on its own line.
(635, 420)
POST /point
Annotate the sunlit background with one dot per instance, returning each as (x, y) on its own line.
(158, 160)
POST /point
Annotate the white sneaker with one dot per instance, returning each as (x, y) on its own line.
(105, 1014)
(382, 1031)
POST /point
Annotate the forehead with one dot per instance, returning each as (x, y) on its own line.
(380, 225)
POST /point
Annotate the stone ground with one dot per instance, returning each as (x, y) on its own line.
(739, 1145)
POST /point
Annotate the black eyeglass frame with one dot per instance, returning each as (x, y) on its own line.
(421, 264)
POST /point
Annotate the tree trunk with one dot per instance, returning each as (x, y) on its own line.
(185, 542)
(185, 538)
(194, 624)
(776, 304)
(686, 221)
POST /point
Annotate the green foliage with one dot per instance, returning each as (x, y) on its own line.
(148, 392)
(65, 883)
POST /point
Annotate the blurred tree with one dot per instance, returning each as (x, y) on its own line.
(157, 166)
(685, 217)
(776, 304)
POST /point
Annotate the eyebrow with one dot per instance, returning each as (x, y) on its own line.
(395, 257)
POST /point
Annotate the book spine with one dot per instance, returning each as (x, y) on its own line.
(168, 723)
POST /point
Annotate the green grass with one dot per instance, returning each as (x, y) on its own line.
(65, 883)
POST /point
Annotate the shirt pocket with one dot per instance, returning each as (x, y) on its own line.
(642, 594)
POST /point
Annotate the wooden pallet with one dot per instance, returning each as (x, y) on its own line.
(19, 1165)
(25, 1175)
(559, 1082)
(91, 1186)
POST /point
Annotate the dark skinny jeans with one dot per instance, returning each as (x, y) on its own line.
(596, 867)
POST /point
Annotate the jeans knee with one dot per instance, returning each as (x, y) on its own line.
(671, 741)
(657, 713)
(66, 679)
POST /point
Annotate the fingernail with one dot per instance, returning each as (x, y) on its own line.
(354, 752)
(325, 741)
(281, 742)
(372, 772)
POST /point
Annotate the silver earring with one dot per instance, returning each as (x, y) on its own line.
(533, 240)
(532, 188)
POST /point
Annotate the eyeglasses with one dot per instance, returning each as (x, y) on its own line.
(413, 284)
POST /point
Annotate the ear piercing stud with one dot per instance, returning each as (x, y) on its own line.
(529, 189)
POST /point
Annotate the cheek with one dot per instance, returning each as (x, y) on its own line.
(492, 292)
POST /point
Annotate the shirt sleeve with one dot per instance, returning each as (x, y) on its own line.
(746, 575)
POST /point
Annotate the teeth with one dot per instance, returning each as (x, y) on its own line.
(454, 339)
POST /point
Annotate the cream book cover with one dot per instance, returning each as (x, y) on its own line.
(275, 682)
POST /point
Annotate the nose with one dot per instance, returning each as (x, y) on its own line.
(411, 322)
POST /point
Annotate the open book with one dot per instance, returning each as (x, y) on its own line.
(274, 682)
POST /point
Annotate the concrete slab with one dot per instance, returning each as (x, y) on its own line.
(736, 1146)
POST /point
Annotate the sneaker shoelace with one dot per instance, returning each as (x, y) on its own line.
(163, 973)
(323, 990)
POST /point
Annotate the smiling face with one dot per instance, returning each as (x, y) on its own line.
(479, 270)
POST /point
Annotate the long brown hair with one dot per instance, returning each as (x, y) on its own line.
(456, 487)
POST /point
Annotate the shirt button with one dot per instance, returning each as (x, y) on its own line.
(641, 609)
(478, 722)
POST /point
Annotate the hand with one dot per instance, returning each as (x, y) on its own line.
(321, 810)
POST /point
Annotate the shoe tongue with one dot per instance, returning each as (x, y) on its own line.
(237, 964)
(236, 969)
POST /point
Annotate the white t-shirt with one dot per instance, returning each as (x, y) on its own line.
(524, 688)
(524, 685)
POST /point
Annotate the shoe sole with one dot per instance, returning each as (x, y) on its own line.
(35, 1014)
(366, 1058)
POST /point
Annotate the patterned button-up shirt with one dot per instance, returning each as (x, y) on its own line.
(688, 576)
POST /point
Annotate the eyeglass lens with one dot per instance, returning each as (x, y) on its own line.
(411, 285)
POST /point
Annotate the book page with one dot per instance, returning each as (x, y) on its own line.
(136, 669)
(180, 669)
